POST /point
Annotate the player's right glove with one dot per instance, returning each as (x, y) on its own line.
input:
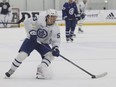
(55, 51)
(33, 35)
(78, 17)
(83, 16)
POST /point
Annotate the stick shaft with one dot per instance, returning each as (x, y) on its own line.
(76, 65)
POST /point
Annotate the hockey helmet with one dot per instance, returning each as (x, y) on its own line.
(52, 12)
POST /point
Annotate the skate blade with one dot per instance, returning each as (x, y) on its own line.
(40, 77)
(6, 77)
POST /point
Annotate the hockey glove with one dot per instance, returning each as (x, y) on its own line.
(78, 17)
(83, 16)
(55, 51)
(33, 35)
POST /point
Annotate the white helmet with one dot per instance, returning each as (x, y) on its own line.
(52, 12)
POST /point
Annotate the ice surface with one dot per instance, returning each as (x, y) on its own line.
(94, 50)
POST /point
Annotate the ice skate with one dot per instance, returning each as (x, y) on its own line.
(44, 73)
(67, 39)
(80, 30)
(9, 73)
(71, 39)
(74, 35)
(39, 74)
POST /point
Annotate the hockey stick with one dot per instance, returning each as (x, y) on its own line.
(92, 75)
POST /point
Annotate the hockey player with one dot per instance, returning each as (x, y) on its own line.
(69, 14)
(5, 13)
(43, 35)
(81, 9)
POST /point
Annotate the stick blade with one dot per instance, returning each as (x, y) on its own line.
(99, 76)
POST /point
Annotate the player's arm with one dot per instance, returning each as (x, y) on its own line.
(64, 12)
(0, 10)
(81, 11)
(76, 12)
(0, 7)
(9, 8)
(55, 41)
(30, 27)
(79, 7)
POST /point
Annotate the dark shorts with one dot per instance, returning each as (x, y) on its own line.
(28, 46)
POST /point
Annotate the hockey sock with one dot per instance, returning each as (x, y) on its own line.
(18, 60)
(46, 61)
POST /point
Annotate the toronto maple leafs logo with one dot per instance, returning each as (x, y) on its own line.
(42, 33)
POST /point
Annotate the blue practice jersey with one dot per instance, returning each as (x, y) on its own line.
(69, 10)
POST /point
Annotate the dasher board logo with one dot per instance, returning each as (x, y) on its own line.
(111, 16)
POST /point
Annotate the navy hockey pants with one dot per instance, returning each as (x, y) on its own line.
(29, 45)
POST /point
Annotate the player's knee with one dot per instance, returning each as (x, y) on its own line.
(49, 56)
(21, 56)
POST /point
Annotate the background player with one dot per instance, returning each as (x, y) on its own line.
(69, 14)
(41, 32)
(81, 9)
(5, 13)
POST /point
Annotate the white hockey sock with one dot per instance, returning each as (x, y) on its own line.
(18, 60)
(45, 62)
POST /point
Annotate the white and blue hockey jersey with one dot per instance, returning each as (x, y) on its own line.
(45, 34)
(81, 7)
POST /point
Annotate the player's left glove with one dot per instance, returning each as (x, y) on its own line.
(78, 17)
(55, 51)
(83, 15)
(33, 35)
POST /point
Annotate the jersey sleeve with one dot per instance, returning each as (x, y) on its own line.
(76, 10)
(8, 4)
(82, 7)
(9, 7)
(56, 39)
(78, 7)
(64, 14)
(30, 27)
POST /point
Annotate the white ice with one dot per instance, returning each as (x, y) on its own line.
(94, 50)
